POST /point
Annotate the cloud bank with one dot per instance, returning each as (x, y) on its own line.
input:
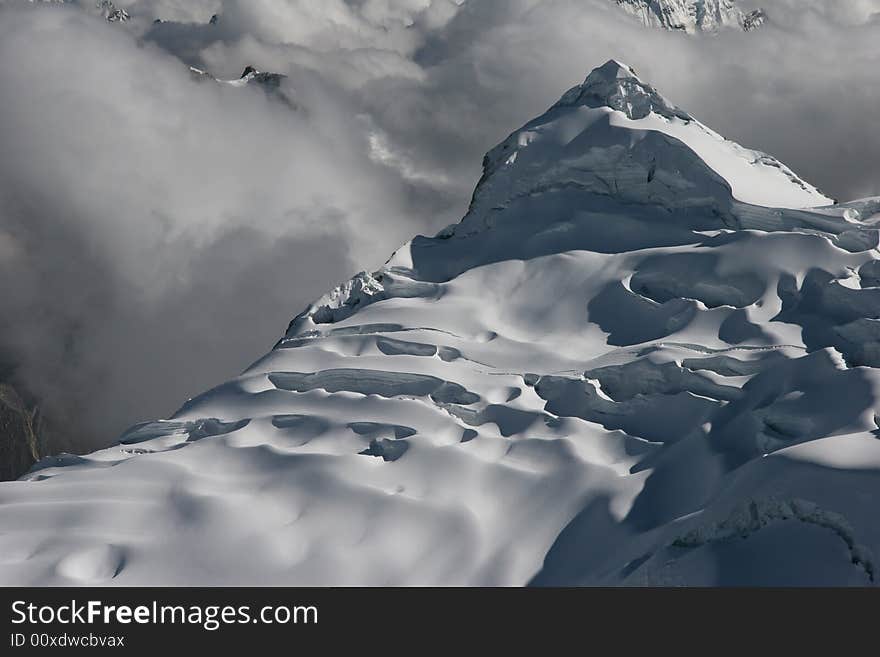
(157, 232)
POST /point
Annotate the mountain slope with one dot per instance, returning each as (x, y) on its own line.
(645, 356)
(693, 15)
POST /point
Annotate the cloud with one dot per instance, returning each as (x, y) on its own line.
(801, 90)
(157, 232)
(799, 12)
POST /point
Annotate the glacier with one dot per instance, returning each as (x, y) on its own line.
(645, 356)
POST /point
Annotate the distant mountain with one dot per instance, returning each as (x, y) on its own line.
(693, 15)
(105, 8)
(646, 356)
(271, 83)
(111, 12)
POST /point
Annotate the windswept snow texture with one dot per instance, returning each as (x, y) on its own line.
(644, 357)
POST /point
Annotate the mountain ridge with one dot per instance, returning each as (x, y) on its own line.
(612, 371)
(662, 126)
(693, 16)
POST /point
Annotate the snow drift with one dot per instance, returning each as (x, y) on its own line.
(644, 357)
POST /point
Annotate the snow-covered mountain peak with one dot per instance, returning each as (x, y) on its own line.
(617, 86)
(640, 344)
(616, 137)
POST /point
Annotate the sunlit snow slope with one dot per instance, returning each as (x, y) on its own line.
(645, 356)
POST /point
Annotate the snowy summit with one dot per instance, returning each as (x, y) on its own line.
(644, 357)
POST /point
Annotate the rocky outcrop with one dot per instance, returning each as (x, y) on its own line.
(19, 434)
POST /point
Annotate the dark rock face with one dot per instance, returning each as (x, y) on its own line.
(19, 434)
(269, 81)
